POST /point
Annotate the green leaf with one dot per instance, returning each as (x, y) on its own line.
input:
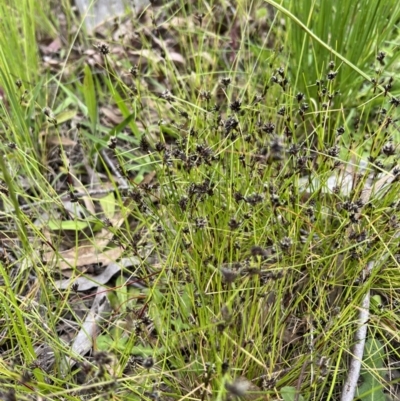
(123, 108)
(179, 325)
(105, 343)
(185, 305)
(146, 351)
(288, 393)
(108, 205)
(376, 300)
(101, 142)
(169, 131)
(65, 116)
(127, 120)
(113, 299)
(373, 372)
(262, 12)
(89, 93)
(71, 98)
(122, 293)
(72, 225)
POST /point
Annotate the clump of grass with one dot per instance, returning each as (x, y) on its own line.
(252, 243)
(360, 32)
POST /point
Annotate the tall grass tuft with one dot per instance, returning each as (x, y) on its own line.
(358, 30)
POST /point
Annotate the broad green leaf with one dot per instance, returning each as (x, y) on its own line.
(108, 205)
(376, 301)
(123, 108)
(72, 225)
(105, 343)
(128, 138)
(146, 351)
(89, 93)
(122, 293)
(372, 374)
(73, 96)
(139, 177)
(169, 131)
(185, 305)
(65, 116)
(127, 120)
(288, 393)
(113, 299)
(96, 140)
(179, 325)
(262, 12)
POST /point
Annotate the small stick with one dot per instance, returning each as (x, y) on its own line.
(114, 169)
(360, 336)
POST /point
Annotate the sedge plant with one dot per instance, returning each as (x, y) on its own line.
(231, 188)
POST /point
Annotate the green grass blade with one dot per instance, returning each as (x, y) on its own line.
(89, 93)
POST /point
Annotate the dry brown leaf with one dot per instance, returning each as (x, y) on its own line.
(87, 256)
(51, 62)
(148, 178)
(84, 283)
(178, 22)
(147, 54)
(84, 340)
(176, 57)
(90, 251)
(53, 47)
(115, 117)
(156, 58)
(58, 140)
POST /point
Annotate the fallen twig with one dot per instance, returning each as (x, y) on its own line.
(123, 182)
(84, 340)
(360, 336)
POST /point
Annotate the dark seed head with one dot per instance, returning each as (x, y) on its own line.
(331, 75)
(225, 82)
(228, 275)
(235, 106)
(300, 96)
(224, 367)
(389, 149)
(134, 71)
(112, 144)
(258, 251)
(103, 49)
(380, 57)
(148, 362)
